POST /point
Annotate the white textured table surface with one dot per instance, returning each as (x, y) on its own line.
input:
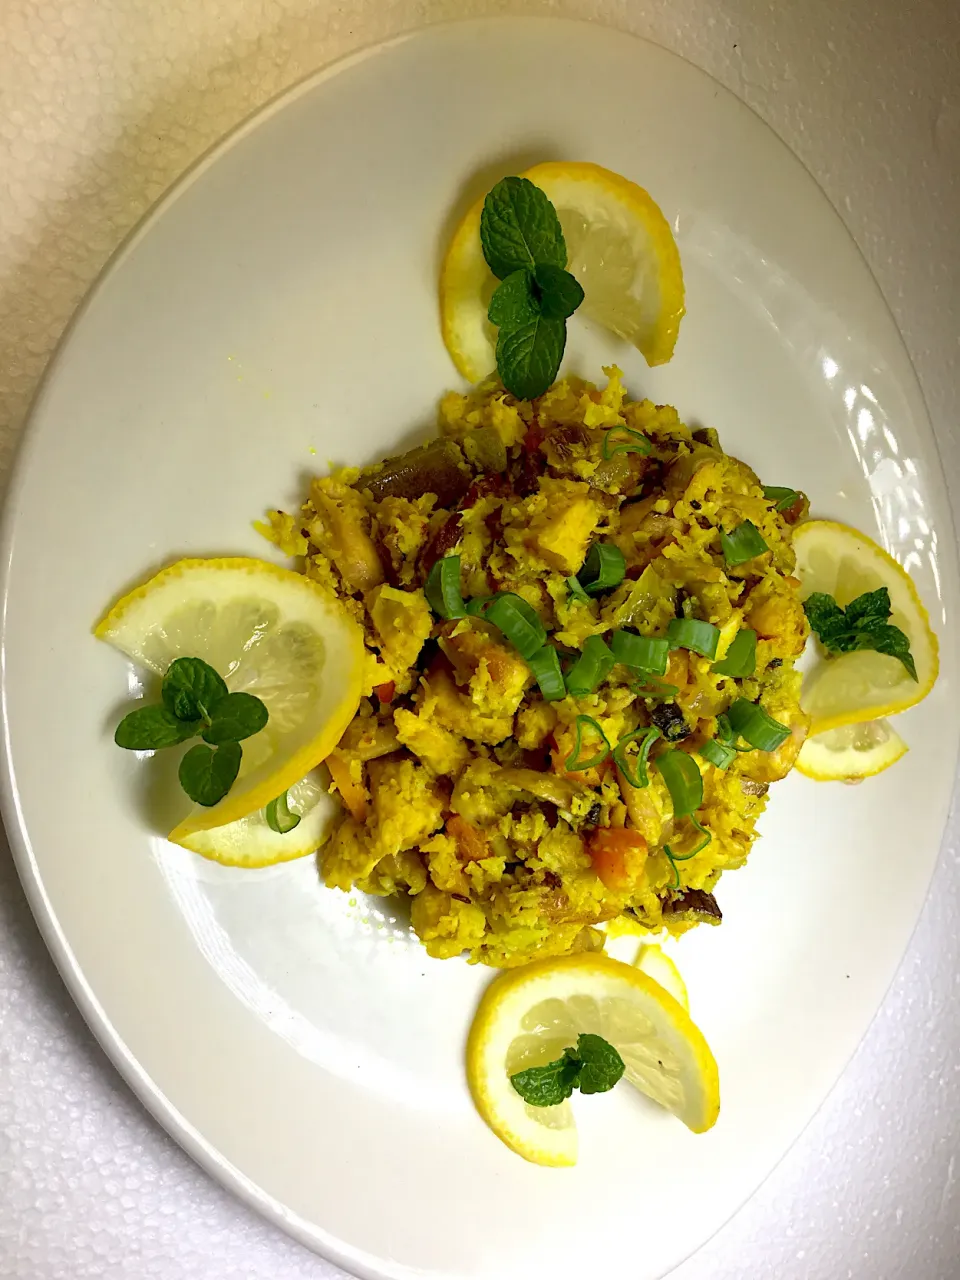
(103, 103)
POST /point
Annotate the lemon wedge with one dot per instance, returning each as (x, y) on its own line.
(851, 752)
(252, 842)
(268, 631)
(652, 960)
(528, 1016)
(619, 246)
(863, 685)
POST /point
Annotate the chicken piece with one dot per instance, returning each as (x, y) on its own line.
(445, 925)
(561, 532)
(341, 532)
(495, 675)
(478, 796)
(403, 622)
(406, 806)
(439, 749)
(442, 702)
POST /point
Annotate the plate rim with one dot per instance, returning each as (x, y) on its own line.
(158, 1105)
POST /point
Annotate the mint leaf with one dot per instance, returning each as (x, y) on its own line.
(191, 689)
(529, 356)
(560, 292)
(519, 228)
(207, 773)
(594, 1066)
(862, 625)
(235, 717)
(550, 1085)
(600, 1064)
(152, 728)
(892, 641)
(870, 610)
(826, 618)
(513, 302)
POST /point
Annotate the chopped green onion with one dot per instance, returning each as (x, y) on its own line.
(545, 665)
(573, 763)
(603, 568)
(651, 688)
(647, 737)
(742, 543)
(443, 588)
(782, 498)
(636, 442)
(682, 776)
(690, 633)
(645, 653)
(699, 847)
(726, 737)
(278, 815)
(748, 720)
(718, 753)
(575, 589)
(740, 659)
(476, 606)
(518, 622)
(593, 665)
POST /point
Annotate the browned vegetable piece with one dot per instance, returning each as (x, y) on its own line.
(437, 467)
(545, 786)
(696, 905)
(351, 547)
(486, 449)
(751, 788)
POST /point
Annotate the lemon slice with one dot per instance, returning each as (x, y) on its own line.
(619, 246)
(851, 752)
(530, 1015)
(656, 964)
(864, 685)
(252, 842)
(269, 632)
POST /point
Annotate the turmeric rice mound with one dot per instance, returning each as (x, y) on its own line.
(453, 775)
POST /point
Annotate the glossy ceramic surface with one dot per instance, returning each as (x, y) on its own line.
(297, 1041)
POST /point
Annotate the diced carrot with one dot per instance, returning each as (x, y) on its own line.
(618, 855)
(386, 691)
(471, 842)
(352, 793)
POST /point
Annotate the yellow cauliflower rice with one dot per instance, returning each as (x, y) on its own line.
(520, 815)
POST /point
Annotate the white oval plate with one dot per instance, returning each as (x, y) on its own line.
(297, 1042)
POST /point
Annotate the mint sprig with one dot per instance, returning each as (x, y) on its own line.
(862, 625)
(195, 700)
(594, 1066)
(523, 244)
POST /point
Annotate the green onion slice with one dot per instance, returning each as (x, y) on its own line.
(443, 588)
(518, 622)
(592, 666)
(782, 498)
(742, 543)
(748, 720)
(278, 815)
(699, 847)
(545, 665)
(603, 568)
(646, 737)
(718, 753)
(690, 633)
(740, 659)
(476, 606)
(682, 776)
(636, 442)
(573, 763)
(575, 589)
(651, 688)
(644, 653)
(726, 737)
